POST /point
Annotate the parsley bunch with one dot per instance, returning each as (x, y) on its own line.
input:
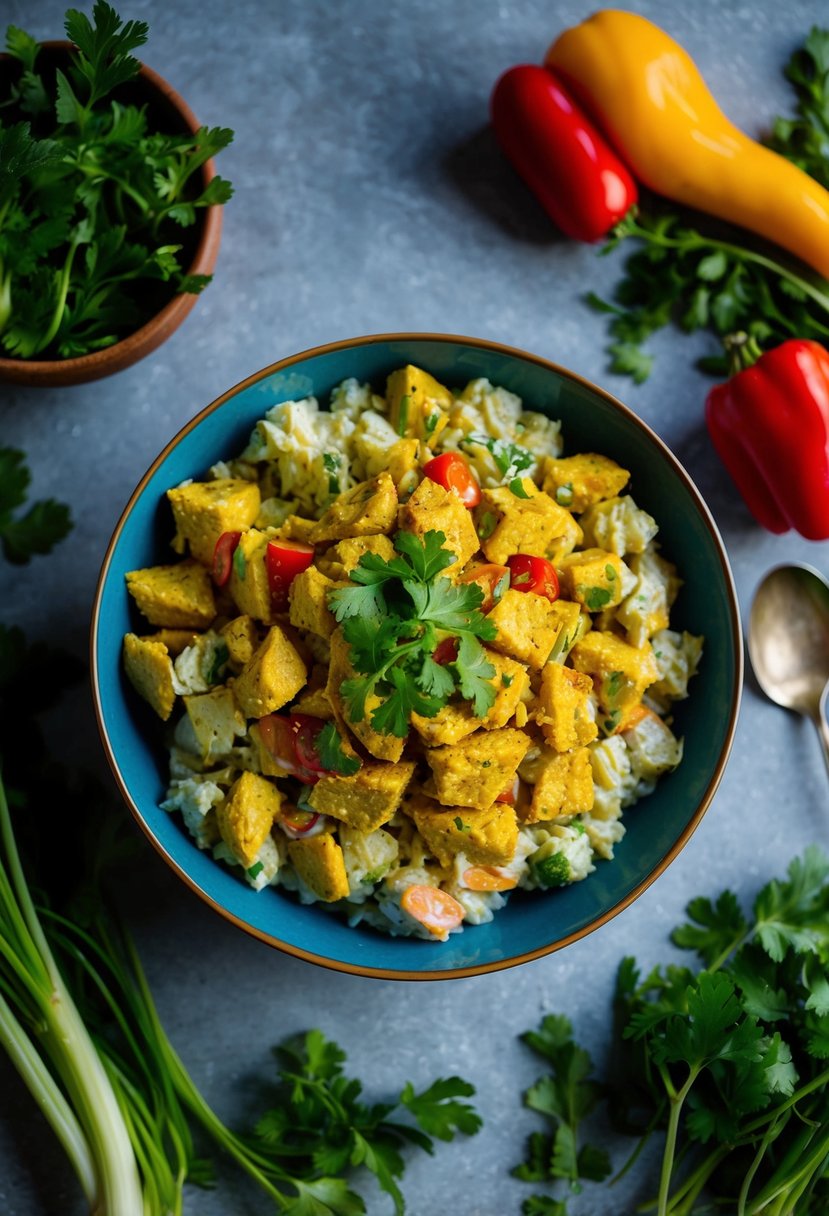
(730, 1062)
(699, 273)
(40, 528)
(393, 621)
(93, 199)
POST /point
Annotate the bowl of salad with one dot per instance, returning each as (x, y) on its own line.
(111, 220)
(417, 656)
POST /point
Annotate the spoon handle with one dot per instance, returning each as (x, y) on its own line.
(822, 724)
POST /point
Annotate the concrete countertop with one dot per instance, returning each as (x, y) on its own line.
(370, 198)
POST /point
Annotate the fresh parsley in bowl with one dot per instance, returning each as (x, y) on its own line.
(109, 206)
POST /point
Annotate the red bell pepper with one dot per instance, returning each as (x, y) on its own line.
(284, 560)
(770, 426)
(451, 471)
(578, 179)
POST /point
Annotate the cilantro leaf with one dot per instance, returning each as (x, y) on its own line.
(475, 674)
(329, 747)
(438, 1110)
(44, 524)
(510, 458)
(716, 930)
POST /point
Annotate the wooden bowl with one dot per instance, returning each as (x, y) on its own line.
(168, 111)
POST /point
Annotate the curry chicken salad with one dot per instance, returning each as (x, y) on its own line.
(411, 656)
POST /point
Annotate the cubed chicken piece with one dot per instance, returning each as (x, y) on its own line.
(620, 672)
(578, 482)
(646, 610)
(320, 864)
(564, 708)
(314, 699)
(338, 561)
(365, 801)
(417, 402)
(248, 586)
(149, 669)
(485, 837)
(308, 599)
(509, 523)
(511, 682)
(384, 747)
(241, 637)
(247, 814)
(449, 725)
(216, 721)
(619, 525)
(272, 678)
(433, 509)
(475, 771)
(592, 577)
(296, 528)
(364, 510)
(527, 627)
(403, 467)
(176, 597)
(654, 747)
(564, 786)
(203, 510)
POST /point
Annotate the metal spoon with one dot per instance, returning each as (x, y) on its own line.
(788, 641)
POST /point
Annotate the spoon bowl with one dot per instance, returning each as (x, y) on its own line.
(788, 641)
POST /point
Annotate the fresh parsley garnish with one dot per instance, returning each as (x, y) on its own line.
(510, 458)
(93, 201)
(723, 1063)
(595, 598)
(40, 528)
(329, 747)
(517, 488)
(331, 464)
(394, 619)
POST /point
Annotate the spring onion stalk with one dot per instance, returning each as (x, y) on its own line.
(95, 1136)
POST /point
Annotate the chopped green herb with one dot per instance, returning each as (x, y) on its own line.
(506, 680)
(329, 747)
(460, 825)
(392, 620)
(239, 563)
(331, 464)
(220, 656)
(564, 494)
(613, 684)
(44, 523)
(595, 598)
(431, 422)
(517, 488)
(255, 870)
(501, 587)
(486, 763)
(510, 459)
(610, 572)
(487, 525)
(612, 721)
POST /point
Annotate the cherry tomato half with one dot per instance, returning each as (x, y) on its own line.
(279, 737)
(528, 573)
(487, 576)
(296, 823)
(223, 557)
(446, 651)
(284, 560)
(306, 729)
(451, 471)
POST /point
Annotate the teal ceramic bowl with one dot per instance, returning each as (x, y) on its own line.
(532, 924)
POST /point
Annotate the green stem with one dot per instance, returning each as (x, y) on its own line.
(684, 1197)
(772, 1133)
(692, 240)
(677, 1099)
(63, 291)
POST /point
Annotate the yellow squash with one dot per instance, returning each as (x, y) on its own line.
(648, 95)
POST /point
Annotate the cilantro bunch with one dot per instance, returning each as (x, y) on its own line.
(701, 274)
(727, 1062)
(394, 620)
(94, 201)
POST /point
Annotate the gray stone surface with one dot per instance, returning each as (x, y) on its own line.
(370, 198)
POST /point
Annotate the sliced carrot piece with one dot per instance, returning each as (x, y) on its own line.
(436, 910)
(488, 878)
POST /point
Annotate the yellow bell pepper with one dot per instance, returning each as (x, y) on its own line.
(648, 95)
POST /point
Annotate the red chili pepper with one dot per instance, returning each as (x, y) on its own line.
(223, 557)
(770, 426)
(284, 560)
(577, 177)
(451, 471)
(528, 573)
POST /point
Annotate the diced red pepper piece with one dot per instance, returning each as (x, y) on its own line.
(284, 560)
(488, 575)
(451, 471)
(770, 426)
(223, 557)
(528, 573)
(577, 177)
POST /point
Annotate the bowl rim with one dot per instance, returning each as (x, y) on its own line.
(386, 973)
(82, 369)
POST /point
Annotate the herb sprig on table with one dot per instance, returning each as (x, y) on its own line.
(394, 620)
(703, 275)
(93, 200)
(727, 1062)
